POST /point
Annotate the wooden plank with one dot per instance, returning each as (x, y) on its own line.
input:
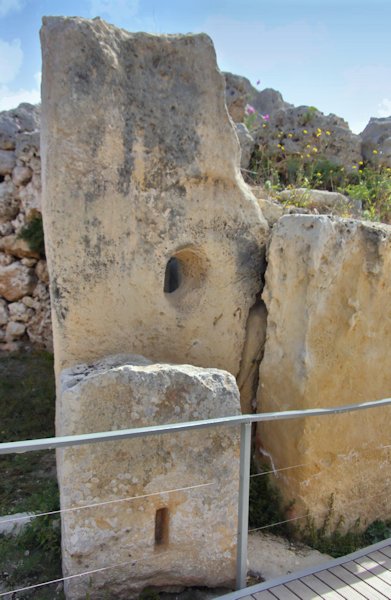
(369, 578)
(387, 551)
(324, 590)
(337, 584)
(302, 590)
(263, 596)
(374, 567)
(283, 593)
(330, 565)
(357, 584)
(381, 558)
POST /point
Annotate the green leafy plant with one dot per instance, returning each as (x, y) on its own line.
(336, 540)
(309, 115)
(33, 234)
(275, 169)
(266, 506)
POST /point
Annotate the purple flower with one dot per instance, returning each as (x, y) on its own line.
(265, 117)
(249, 110)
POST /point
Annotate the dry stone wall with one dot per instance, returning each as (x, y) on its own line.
(24, 295)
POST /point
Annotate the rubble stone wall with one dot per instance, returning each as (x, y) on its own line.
(24, 294)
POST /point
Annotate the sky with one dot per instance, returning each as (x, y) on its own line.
(332, 54)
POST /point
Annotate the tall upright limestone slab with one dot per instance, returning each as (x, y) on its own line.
(161, 508)
(154, 243)
(328, 343)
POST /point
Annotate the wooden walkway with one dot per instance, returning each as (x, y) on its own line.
(363, 575)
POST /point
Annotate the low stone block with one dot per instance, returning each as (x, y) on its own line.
(184, 537)
(16, 281)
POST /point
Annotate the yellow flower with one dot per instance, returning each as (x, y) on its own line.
(360, 170)
(354, 167)
(318, 134)
(374, 152)
(264, 125)
(328, 133)
(319, 130)
(290, 135)
(308, 155)
(319, 174)
(361, 162)
(305, 131)
(314, 149)
(308, 146)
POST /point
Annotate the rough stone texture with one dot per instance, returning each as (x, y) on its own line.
(286, 123)
(325, 202)
(21, 175)
(134, 178)
(16, 280)
(327, 295)
(20, 201)
(4, 314)
(239, 92)
(247, 144)
(302, 131)
(9, 204)
(16, 246)
(129, 391)
(271, 210)
(7, 162)
(376, 141)
(14, 330)
(252, 355)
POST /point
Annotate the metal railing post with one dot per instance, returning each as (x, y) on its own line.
(244, 490)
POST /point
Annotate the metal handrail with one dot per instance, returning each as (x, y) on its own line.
(122, 434)
(244, 421)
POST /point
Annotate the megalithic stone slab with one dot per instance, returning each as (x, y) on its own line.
(154, 243)
(328, 343)
(169, 512)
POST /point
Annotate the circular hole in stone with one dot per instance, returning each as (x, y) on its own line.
(172, 276)
(185, 270)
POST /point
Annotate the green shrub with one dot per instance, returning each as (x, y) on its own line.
(33, 234)
(266, 505)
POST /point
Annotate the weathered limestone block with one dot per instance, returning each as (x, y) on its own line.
(9, 204)
(327, 295)
(16, 246)
(16, 281)
(20, 312)
(14, 330)
(376, 141)
(185, 537)
(39, 327)
(4, 314)
(154, 242)
(247, 144)
(322, 200)
(21, 175)
(7, 162)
